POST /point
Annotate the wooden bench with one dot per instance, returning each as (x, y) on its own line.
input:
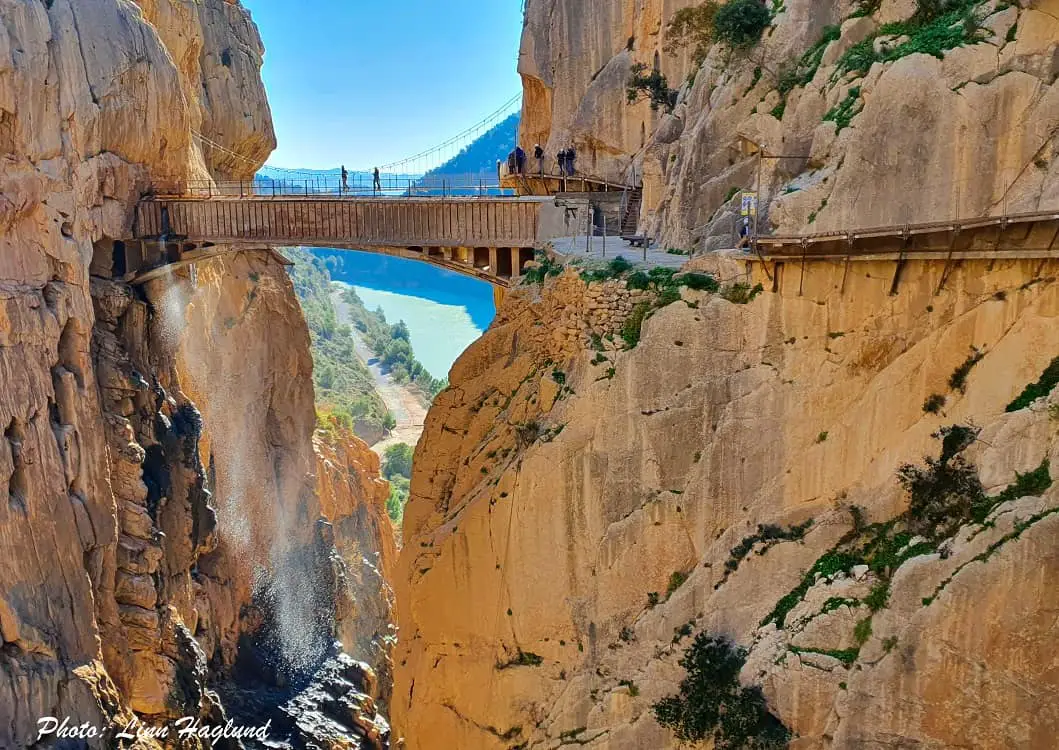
(638, 240)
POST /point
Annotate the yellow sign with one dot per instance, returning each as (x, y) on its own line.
(749, 205)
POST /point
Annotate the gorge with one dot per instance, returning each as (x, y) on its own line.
(751, 503)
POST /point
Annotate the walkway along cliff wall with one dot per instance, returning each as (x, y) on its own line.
(863, 117)
(581, 511)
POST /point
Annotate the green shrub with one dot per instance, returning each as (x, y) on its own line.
(652, 85)
(676, 580)
(1030, 484)
(942, 493)
(713, 704)
(630, 330)
(397, 461)
(740, 23)
(699, 282)
(637, 280)
(878, 597)
(523, 659)
(958, 379)
(1044, 385)
(842, 114)
(741, 293)
(768, 533)
(934, 403)
(545, 268)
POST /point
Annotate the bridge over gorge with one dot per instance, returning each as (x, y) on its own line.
(490, 238)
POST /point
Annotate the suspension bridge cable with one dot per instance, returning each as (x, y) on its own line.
(502, 111)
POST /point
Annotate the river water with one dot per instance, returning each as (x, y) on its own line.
(444, 311)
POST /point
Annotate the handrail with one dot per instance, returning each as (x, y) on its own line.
(900, 229)
(357, 184)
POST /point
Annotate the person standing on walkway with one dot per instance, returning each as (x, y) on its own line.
(345, 179)
(498, 163)
(571, 154)
(376, 185)
(538, 154)
(561, 158)
(520, 160)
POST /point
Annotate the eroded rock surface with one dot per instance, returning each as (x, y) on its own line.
(560, 551)
(159, 513)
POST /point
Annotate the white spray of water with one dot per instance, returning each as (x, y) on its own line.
(284, 574)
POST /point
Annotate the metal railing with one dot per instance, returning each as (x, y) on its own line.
(357, 184)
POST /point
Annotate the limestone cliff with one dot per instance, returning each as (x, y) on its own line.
(578, 513)
(160, 530)
(875, 122)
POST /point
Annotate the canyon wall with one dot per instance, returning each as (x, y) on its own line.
(580, 510)
(859, 124)
(164, 527)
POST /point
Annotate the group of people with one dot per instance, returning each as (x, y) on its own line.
(516, 161)
(376, 183)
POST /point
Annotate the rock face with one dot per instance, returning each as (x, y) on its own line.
(559, 551)
(886, 136)
(160, 528)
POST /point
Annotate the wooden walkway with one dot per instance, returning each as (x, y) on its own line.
(1016, 236)
(490, 238)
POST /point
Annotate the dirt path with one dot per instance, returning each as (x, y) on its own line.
(406, 403)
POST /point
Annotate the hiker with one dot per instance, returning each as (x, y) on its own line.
(744, 235)
(498, 163)
(561, 158)
(376, 185)
(538, 154)
(570, 156)
(511, 164)
(345, 179)
(520, 160)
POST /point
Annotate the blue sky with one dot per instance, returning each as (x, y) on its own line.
(365, 82)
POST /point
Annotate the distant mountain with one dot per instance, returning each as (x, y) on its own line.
(480, 155)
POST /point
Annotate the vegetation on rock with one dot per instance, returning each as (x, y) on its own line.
(740, 23)
(397, 468)
(713, 704)
(653, 86)
(1042, 387)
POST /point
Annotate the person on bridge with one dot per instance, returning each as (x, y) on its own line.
(520, 160)
(571, 154)
(376, 184)
(538, 154)
(561, 158)
(345, 179)
(498, 163)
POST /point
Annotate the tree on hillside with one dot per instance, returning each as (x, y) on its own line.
(397, 461)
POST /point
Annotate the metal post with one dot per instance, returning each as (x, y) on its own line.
(757, 189)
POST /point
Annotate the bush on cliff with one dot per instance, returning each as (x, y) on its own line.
(712, 703)
(740, 23)
(653, 86)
